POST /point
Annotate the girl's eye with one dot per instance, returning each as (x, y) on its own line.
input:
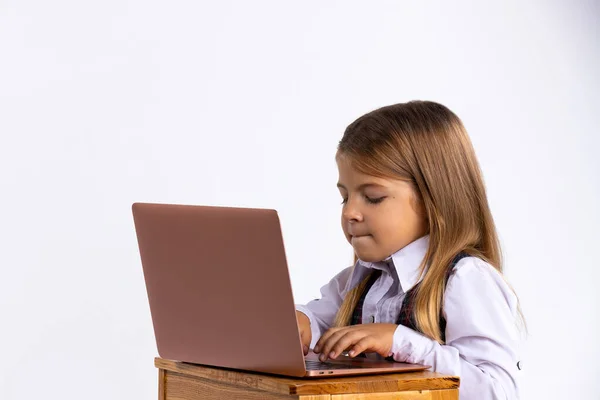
(375, 200)
(370, 200)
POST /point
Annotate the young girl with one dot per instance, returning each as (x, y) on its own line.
(427, 285)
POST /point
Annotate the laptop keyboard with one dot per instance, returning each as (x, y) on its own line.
(321, 366)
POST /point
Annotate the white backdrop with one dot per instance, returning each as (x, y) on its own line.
(242, 103)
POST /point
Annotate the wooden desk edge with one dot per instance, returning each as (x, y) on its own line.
(425, 380)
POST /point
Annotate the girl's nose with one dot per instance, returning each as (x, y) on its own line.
(352, 213)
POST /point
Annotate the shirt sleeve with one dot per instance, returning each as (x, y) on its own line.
(322, 312)
(482, 335)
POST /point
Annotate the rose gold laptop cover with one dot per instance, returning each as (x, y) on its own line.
(220, 293)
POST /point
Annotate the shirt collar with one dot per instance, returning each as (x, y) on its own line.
(407, 261)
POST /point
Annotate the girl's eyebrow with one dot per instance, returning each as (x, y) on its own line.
(361, 187)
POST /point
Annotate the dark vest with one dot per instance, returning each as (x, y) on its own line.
(406, 316)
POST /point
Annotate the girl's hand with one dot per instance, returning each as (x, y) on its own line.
(360, 338)
(304, 329)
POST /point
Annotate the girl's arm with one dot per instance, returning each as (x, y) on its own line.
(481, 334)
(321, 312)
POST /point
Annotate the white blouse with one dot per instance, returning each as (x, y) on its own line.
(482, 335)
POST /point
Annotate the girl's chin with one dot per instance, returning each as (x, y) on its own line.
(366, 255)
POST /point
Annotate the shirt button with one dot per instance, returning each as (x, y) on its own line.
(372, 319)
(519, 365)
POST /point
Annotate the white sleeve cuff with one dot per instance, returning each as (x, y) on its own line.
(410, 346)
(314, 325)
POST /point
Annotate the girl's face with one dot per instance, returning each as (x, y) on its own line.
(379, 215)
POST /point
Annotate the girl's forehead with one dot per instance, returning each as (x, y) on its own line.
(353, 178)
(350, 177)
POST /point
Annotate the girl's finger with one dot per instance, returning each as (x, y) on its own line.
(327, 344)
(361, 346)
(346, 341)
(328, 347)
(324, 338)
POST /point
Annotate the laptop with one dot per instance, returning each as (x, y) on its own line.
(220, 294)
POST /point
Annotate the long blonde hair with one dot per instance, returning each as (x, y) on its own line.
(426, 144)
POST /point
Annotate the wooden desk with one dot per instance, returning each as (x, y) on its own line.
(181, 381)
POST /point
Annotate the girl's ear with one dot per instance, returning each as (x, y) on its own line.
(418, 206)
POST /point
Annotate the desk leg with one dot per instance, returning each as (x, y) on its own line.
(161, 384)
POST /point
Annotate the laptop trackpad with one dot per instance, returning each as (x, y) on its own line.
(342, 362)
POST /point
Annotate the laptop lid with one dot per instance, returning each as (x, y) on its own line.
(219, 287)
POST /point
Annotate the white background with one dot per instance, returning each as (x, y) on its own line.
(103, 103)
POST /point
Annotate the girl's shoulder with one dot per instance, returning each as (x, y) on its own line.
(472, 264)
(474, 273)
